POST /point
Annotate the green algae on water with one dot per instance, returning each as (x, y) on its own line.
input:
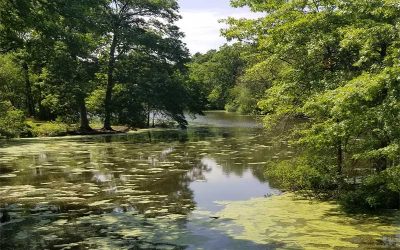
(299, 223)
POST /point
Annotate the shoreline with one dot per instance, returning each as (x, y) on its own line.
(77, 134)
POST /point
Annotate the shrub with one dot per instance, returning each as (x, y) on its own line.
(48, 129)
(297, 175)
(378, 191)
(12, 121)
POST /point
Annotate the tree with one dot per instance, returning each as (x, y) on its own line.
(11, 81)
(150, 86)
(17, 36)
(46, 36)
(338, 71)
(73, 63)
(137, 26)
(217, 72)
(71, 54)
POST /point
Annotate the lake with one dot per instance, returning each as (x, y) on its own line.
(200, 188)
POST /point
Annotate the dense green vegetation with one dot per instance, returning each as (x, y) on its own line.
(327, 70)
(231, 78)
(119, 61)
(334, 65)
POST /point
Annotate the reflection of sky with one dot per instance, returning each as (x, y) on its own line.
(220, 186)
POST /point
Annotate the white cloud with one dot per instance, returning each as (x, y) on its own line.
(202, 28)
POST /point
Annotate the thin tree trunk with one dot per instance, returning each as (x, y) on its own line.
(148, 117)
(339, 159)
(110, 84)
(42, 112)
(84, 118)
(382, 162)
(340, 164)
(28, 91)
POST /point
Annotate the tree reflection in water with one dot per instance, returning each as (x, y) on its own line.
(123, 190)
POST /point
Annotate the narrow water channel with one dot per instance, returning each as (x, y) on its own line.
(203, 188)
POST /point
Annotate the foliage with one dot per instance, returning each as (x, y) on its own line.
(12, 121)
(11, 81)
(335, 65)
(48, 129)
(57, 58)
(133, 27)
(300, 175)
(378, 191)
(216, 73)
(95, 102)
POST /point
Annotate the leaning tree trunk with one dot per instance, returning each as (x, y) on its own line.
(110, 85)
(84, 117)
(28, 91)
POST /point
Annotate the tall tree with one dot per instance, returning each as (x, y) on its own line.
(139, 25)
(78, 40)
(17, 35)
(338, 62)
(149, 86)
(47, 36)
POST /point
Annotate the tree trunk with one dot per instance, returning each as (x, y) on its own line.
(110, 84)
(148, 117)
(382, 162)
(28, 91)
(339, 159)
(84, 118)
(340, 165)
(43, 114)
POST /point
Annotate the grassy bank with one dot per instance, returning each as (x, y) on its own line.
(33, 128)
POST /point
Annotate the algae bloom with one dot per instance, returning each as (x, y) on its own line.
(302, 224)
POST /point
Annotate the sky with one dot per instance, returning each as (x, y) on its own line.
(200, 22)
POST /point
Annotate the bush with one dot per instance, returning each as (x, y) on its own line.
(12, 121)
(231, 107)
(376, 192)
(48, 129)
(311, 174)
(298, 175)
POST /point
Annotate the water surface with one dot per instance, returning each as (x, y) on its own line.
(156, 189)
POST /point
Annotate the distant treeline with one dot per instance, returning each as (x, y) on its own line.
(334, 67)
(118, 61)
